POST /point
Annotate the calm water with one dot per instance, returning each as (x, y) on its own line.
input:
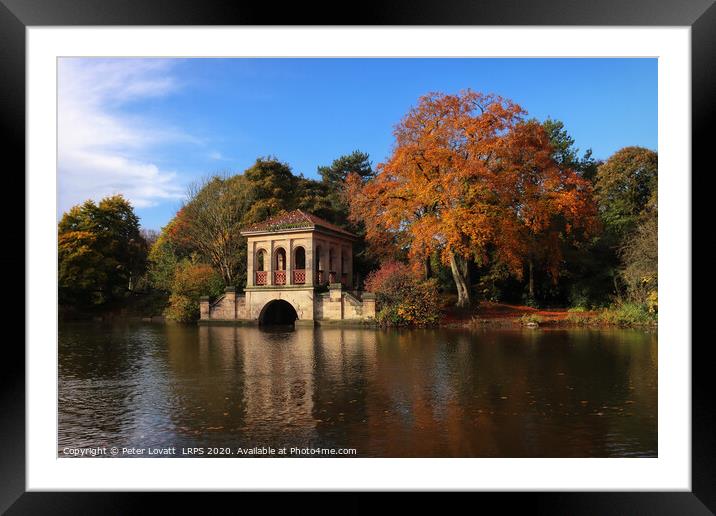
(410, 393)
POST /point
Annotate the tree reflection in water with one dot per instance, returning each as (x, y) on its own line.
(397, 393)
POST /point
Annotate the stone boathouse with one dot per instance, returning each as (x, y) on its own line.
(299, 270)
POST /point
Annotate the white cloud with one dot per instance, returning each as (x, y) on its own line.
(102, 151)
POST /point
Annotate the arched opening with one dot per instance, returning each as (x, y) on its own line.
(279, 273)
(280, 259)
(260, 259)
(261, 267)
(299, 266)
(278, 313)
(300, 260)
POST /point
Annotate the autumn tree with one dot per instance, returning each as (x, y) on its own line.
(101, 251)
(640, 258)
(467, 175)
(551, 202)
(405, 299)
(191, 281)
(211, 220)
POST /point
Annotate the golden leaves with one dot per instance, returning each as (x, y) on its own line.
(467, 173)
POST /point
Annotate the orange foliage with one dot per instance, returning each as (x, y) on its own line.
(388, 270)
(177, 230)
(467, 175)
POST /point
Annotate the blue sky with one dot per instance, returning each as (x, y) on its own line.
(147, 128)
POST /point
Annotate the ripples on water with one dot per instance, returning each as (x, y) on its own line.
(419, 393)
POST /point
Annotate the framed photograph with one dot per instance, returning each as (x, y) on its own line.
(427, 251)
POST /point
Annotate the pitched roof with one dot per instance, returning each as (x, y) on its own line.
(295, 219)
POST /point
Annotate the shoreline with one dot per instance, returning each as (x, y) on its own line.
(502, 315)
(485, 315)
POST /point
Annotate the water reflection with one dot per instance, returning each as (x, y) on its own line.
(419, 393)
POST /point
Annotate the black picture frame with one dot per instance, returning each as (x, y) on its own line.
(17, 15)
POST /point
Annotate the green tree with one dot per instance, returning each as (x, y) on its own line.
(333, 178)
(163, 260)
(333, 182)
(624, 185)
(565, 154)
(101, 252)
(357, 163)
(314, 197)
(273, 187)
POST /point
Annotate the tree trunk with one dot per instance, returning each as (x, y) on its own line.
(531, 280)
(458, 266)
(428, 270)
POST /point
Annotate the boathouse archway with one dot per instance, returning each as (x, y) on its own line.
(278, 312)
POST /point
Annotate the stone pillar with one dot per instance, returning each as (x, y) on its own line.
(250, 256)
(289, 261)
(335, 290)
(310, 267)
(368, 305)
(270, 266)
(204, 313)
(335, 296)
(230, 302)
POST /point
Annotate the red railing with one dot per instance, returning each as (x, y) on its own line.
(299, 276)
(332, 277)
(320, 277)
(279, 277)
(261, 277)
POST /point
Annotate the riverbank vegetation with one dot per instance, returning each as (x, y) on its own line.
(477, 203)
(404, 298)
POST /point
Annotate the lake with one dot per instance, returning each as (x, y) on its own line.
(184, 390)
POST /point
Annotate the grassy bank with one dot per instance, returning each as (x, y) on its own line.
(501, 314)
